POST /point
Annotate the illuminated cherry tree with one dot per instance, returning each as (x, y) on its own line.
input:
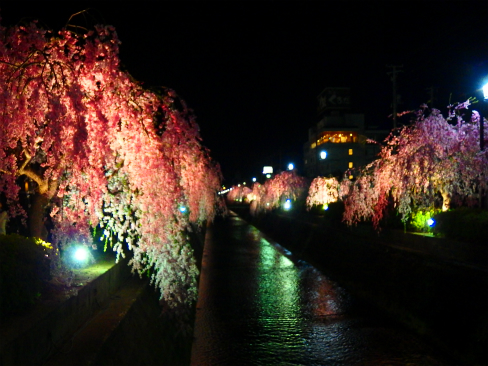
(99, 150)
(258, 193)
(238, 193)
(274, 192)
(322, 191)
(435, 161)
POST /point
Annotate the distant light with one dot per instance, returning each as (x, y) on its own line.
(350, 177)
(485, 91)
(267, 169)
(287, 205)
(325, 206)
(239, 185)
(291, 166)
(323, 155)
(244, 183)
(268, 175)
(182, 209)
(81, 254)
(431, 222)
(253, 179)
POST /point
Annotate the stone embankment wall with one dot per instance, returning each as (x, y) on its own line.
(437, 287)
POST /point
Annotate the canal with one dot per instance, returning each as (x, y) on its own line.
(258, 305)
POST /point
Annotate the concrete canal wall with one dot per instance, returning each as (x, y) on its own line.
(114, 319)
(437, 287)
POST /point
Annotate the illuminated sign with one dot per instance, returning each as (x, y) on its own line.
(267, 170)
(334, 98)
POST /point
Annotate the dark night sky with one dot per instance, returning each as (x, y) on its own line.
(251, 71)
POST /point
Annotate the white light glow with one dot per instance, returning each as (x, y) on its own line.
(291, 166)
(81, 254)
(485, 91)
(323, 155)
(287, 205)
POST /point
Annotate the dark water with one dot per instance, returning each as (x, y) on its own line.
(259, 306)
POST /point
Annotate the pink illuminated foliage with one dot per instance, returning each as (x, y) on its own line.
(238, 193)
(322, 191)
(99, 150)
(432, 163)
(273, 193)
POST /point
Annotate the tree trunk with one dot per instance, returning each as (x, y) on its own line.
(37, 212)
(446, 201)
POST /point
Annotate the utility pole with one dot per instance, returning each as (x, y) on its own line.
(431, 91)
(393, 73)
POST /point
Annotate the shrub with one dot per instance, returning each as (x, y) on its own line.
(24, 268)
(419, 220)
(463, 224)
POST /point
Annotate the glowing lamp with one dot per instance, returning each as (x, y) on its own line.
(485, 91)
(81, 254)
(182, 209)
(287, 205)
(431, 222)
(323, 155)
(325, 206)
(291, 166)
(253, 179)
(268, 175)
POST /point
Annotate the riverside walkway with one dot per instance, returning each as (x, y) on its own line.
(258, 305)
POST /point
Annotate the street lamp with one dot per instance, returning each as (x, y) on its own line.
(291, 166)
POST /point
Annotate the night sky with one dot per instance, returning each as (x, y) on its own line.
(251, 71)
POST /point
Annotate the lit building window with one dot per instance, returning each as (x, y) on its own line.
(350, 151)
(336, 137)
(350, 164)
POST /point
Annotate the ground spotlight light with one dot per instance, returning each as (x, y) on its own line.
(81, 254)
(325, 206)
(287, 204)
(182, 209)
(431, 222)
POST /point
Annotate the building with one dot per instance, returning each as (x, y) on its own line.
(339, 141)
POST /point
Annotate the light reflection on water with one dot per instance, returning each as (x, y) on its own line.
(260, 306)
